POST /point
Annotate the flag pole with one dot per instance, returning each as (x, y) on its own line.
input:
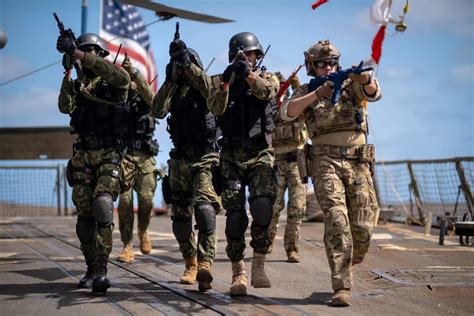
(84, 17)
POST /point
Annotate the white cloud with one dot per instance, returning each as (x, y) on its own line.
(464, 72)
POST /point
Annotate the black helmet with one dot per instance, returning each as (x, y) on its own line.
(195, 58)
(89, 39)
(245, 41)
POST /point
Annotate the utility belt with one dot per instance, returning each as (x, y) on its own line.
(363, 153)
(193, 152)
(291, 156)
(146, 145)
(94, 142)
(240, 143)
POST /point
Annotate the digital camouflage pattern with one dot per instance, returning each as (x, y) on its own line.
(254, 169)
(104, 179)
(144, 184)
(288, 177)
(106, 174)
(191, 185)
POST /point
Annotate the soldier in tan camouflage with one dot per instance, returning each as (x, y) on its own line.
(340, 161)
(95, 101)
(141, 149)
(287, 139)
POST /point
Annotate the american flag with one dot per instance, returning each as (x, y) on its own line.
(123, 24)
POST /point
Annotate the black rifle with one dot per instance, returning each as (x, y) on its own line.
(67, 33)
(174, 72)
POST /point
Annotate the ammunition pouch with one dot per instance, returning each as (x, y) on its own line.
(304, 162)
(149, 146)
(128, 172)
(79, 175)
(166, 189)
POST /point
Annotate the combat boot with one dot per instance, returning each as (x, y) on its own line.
(239, 279)
(341, 298)
(127, 255)
(189, 275)
(86, 281)
(293, 256)
(204, 276)
(145, 242)
(258, 277)
(101, 283)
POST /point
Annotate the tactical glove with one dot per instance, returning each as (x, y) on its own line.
(241, 68)
(66, 45)
(177, 48)
(68, 62)
(363, 78)
(325, 90)
(227, 73)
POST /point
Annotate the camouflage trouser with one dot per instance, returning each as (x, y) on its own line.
(288, 176)
(191, 185)
(345, 191)
(95, 172)
(254, 169)
(144, 185)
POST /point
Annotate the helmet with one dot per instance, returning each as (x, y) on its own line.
(89, 39)
(195, 58)
(245, 41)
(323, 50)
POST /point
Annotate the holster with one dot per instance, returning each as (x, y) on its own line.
(166, 189)
(304, 162)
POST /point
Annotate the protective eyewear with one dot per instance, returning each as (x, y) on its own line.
(325, 63)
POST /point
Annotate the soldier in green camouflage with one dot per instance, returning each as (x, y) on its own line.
(288, 138)
(95, 101)
(340, 161)
(189, 186)
(141, 149)
(243, 94)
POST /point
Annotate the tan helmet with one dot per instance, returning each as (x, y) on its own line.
(322, 50)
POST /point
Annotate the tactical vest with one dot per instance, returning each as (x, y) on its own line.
(141, 125)
(288, 133)
(347, 115)
(191, 123)
(246, 117)
(101, 120)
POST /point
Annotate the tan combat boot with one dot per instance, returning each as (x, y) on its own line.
(293, 256)
(204, 276)
(239, 279)
(258, 277)
(145, 242)
(341, 298)
(189, 275)
(127, 255)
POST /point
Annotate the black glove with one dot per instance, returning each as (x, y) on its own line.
(241, 68)
(227, 73)
(177, 48)
(66, 45)
(168, 72)
(184, 58)
(68, 62)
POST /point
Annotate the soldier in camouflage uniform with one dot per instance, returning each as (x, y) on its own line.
(288, 138)
(141, 151)
(246, 157)
(95, 101)
(340, 161)
(189, 186)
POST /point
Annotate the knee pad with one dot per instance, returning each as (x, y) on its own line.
(236, 223)
(85, 229)
(261, 209)
(205, 218)
(102, 208)
(182, 228)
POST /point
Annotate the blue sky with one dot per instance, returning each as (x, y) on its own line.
(426, 73)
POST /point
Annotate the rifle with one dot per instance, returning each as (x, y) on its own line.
(210, 64)
(259, 64)
(68, 33)
(240, 55)
(337, 78)
(285, 85)
(174, 72)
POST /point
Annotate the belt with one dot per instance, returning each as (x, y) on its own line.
(258, 142)
(92, 142)
(289, 157)
(191, 152)
(362, 153)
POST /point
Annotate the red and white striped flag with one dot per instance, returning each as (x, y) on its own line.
(123, 24)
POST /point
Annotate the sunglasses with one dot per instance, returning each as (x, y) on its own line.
(88, 49)
(325, 63)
